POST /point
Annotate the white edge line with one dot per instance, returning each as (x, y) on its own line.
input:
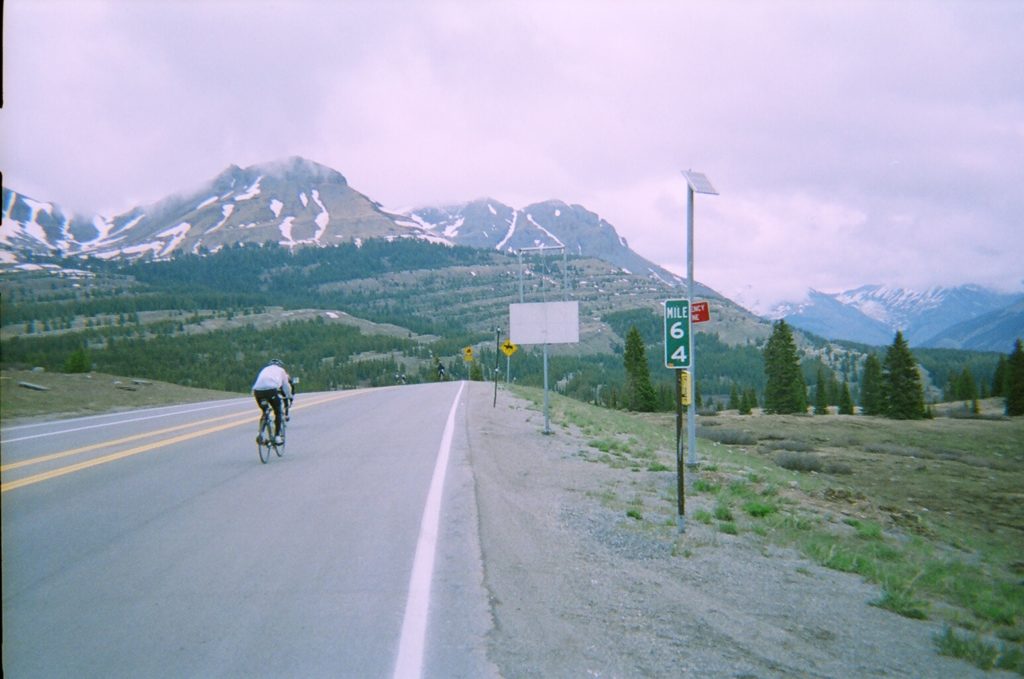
(214, 404)
(409, 664)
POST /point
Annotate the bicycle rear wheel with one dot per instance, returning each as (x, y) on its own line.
(279, 449)
(265, 438)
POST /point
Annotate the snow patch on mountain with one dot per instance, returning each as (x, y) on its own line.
(252, 191)
(547, 233)
(176, 234)
(452, 230)
(285, 227)
(226, 211)
(511, 232)
(322, 219)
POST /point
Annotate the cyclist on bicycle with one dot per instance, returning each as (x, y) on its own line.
(271, 384)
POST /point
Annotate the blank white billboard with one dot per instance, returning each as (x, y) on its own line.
(544, 323)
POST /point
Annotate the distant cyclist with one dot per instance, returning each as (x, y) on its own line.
(271, 384)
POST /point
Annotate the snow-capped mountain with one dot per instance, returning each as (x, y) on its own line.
(295, 202)
(487, 223)
(299, 203)
(938, 317)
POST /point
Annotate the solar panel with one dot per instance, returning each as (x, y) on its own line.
(699, 183)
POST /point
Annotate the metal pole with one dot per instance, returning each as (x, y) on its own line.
(565, 276)
(691, 410)
(547, 420)
(680, 468)
(520, 276)
(497, 350)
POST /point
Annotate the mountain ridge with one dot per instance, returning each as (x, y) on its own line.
(961, 317)
(298, 202)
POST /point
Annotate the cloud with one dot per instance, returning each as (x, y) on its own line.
(852, 142)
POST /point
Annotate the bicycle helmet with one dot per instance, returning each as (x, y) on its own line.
(276, 361)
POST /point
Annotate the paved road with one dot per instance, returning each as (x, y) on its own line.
(154, 543)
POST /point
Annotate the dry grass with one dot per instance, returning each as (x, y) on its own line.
(88, 393)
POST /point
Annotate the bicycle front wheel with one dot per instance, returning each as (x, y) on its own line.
(264, 439)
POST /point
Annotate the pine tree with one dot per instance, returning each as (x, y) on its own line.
(845, 401)
(640, 393)
(999, 378)
(871, 399)
(785, 391)
(901, 382)
(966, 389)
(821, 393)
(748, 401)
(734, 397)
(1014, 385)
(78, 362)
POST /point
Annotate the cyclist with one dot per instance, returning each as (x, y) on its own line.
(271, 384)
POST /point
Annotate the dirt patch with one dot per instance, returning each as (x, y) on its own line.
(580, 589)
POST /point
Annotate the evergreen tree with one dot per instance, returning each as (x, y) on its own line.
(785, 391)
(640, 394)
(78, 362)
(748, 401)
(845, 401)
(734, 397)
(999, 377)
(871, 398)
(1014, 389)
(901, 383)
(821, 393)
(966, 389)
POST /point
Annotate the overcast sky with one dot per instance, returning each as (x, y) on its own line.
(851, 142)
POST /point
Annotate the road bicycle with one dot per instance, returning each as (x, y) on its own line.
(265, 436)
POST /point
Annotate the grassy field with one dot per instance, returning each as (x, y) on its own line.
(87, 393)
(929, 510)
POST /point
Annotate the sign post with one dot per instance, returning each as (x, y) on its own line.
(508, 349)
(677, 357)
(545, 323)
(696, 182)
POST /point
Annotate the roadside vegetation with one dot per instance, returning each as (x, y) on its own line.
(928, 510)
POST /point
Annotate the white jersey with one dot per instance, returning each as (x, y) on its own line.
(273, 377)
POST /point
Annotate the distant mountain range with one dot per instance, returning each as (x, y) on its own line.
(964, 317)
(300, 203)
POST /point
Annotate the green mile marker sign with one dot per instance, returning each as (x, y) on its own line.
(677, 333)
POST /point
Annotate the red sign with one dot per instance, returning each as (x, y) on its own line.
(699, 312)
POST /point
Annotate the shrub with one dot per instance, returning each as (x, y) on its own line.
(902, 603)
(730, 437)
(980, 652)
(702, 486)
(790, 445)
(799, 462)
(837, 468)
(759, 509)
(723, 513)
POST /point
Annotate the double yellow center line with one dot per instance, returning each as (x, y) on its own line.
(234, 420)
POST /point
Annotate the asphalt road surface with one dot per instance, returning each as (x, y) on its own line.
(154, 543)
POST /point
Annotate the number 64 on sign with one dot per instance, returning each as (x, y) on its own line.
(677, 333)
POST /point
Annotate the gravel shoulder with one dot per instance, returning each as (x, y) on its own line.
(576, 590)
